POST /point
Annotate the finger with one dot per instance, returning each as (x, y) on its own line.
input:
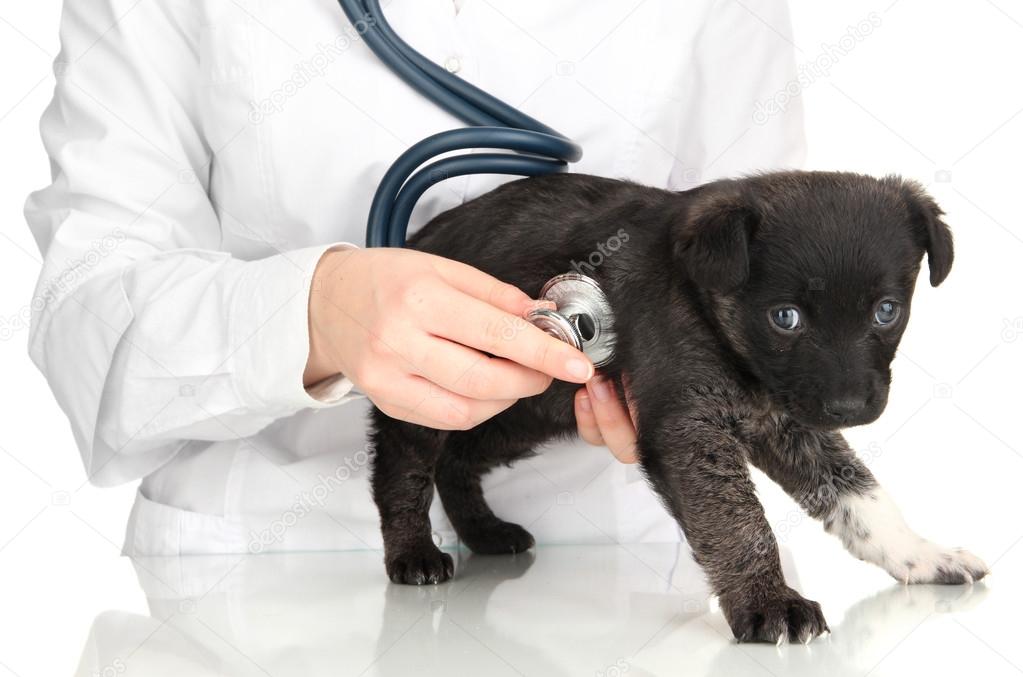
(613, 419)
(417, 400)
(628, 400)
(585, 419)
(470, 373)
(484, 287)
(401, 413)
(479, 325)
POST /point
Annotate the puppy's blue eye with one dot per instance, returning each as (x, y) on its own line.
(886, 312)
(786, 319)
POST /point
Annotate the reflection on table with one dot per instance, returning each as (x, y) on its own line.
(591, 610)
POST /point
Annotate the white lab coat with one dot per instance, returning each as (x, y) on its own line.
(206, 152)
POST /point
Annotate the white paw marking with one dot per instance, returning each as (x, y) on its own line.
(872, 528)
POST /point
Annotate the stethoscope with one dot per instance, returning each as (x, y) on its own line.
(583, 316)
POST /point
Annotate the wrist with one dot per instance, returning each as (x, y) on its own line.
(323, 307)
(317, 367)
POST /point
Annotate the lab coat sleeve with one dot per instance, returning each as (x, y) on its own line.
(745, 109)
(148, 335)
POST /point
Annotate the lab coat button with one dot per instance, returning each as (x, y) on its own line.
(438, 540)
(453, 64)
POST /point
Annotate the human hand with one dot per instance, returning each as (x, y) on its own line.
(603, 421)
(430, 340)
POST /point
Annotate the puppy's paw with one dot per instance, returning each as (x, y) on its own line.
(776, 617)
(926, 562)
(500, 538)
(871, 528)
(420, 565)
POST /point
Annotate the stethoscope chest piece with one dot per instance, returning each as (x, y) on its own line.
(583, 318)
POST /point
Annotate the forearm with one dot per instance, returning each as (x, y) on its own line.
(701, 474)
(700, 469)
(184, 345)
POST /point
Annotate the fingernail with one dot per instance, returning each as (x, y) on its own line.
(600, 389)
(584, 404)
(580, 369)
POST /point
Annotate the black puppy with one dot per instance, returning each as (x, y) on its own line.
(754, 319)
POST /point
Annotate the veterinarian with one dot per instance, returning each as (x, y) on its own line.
(206, 317)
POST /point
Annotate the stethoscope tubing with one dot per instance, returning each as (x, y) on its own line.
(494, 125)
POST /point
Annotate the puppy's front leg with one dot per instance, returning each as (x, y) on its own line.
(820, 471)
(701, 473)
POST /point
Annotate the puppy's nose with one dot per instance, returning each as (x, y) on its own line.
(844, 409)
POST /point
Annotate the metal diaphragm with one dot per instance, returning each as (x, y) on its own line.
(583, 318)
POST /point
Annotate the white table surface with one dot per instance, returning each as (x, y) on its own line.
(563, 610)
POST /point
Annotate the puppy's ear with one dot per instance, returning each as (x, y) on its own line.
(932, 233)
(713, 241)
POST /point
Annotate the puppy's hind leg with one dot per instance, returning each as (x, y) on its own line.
(404, 460)
(468, 456)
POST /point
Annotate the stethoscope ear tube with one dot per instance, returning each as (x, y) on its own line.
(480, 163)
(496, 125)
(396, 181)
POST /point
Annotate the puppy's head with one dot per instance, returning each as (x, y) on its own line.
(809, 275)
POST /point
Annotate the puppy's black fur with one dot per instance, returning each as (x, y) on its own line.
(695, 283)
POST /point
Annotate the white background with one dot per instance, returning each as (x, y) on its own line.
(933, 93)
